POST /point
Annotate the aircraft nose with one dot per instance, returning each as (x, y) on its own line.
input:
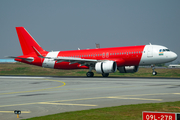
(174, 56)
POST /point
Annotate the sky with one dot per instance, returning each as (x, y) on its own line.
(71, 24)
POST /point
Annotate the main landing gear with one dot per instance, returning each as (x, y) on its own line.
(90, 73)
(105, 74)
(153, 68)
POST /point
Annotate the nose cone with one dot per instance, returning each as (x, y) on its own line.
(173, 56)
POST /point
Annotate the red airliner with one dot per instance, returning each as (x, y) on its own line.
(102, 60)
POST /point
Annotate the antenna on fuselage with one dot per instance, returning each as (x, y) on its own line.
(97, 45)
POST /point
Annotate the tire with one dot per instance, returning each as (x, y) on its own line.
(89, 74)
(105, 74)
(154, 73)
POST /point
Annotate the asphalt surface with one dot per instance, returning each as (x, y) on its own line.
(39, 96)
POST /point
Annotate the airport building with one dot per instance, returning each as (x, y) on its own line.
(7, 61)
(174, 66)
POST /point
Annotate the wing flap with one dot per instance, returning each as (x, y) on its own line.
(75, 60)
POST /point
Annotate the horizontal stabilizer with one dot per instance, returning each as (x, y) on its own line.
(28, 59)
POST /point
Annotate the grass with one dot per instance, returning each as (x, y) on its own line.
(124, 112)
(25, 69)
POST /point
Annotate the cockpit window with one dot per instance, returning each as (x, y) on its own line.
(163, 50)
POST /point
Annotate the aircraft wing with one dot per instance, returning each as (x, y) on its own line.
(68, 59)
(76, 60)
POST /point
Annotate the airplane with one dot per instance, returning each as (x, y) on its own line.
(103, 60)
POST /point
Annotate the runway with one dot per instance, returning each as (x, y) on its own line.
(39, 96)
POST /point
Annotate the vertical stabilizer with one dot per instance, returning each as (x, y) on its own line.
(27, 41)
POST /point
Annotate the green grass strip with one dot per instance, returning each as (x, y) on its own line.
(25, 69)
(124, 112)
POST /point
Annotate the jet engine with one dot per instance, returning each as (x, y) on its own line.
(106, 67)
(128, 69)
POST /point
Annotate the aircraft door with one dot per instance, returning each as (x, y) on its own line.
(150, 51)
(48, 63)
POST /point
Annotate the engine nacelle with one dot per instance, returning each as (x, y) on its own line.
(128, 69)
(106, 67)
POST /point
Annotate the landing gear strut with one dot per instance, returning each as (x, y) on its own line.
(154, 72)
(105, 74)
(90, 73)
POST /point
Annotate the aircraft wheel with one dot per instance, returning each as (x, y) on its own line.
(89, 74)
(105, 74)
(154, 73)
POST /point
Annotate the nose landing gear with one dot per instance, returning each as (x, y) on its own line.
(153, 68)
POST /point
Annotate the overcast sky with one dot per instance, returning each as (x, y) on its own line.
(71, 24)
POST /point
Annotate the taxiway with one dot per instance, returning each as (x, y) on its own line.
(38, 96)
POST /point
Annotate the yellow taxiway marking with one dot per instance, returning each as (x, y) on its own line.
(13, 111)
(153, 94)
(18, 104)
(136, 98)
(95, 98)
(38, 89)
(65, 104)
(50, 103)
